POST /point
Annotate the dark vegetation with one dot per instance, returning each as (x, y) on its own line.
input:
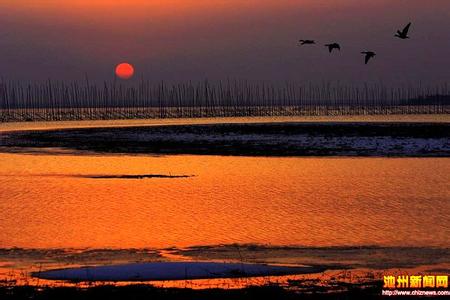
(57, 100)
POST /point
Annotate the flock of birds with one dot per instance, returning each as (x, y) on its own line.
(403, 34)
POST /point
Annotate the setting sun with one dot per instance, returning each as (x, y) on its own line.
(124, 71)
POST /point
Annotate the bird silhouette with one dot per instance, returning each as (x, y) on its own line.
(369, 55)
(333, 46)
(307, 42)
(404, 33)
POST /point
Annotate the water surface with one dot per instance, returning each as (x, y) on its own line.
(65, 201)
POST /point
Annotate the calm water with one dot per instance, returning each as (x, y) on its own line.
(46, 201)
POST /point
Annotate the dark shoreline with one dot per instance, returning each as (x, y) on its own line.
(260, 139)
(111, 292)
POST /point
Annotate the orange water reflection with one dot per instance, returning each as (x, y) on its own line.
(303, 201)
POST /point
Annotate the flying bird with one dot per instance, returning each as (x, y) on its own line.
(369, 55)
(333, 46)
(307, 42)
(404, 33)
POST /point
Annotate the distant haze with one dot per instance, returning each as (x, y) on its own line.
(180, 40)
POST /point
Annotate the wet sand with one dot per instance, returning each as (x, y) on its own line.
(52, 125)
(366, 139)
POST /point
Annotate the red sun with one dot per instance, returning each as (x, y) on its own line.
(124, 71)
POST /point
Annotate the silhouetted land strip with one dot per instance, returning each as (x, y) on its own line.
(105, 176)
(355, 291)
(268, 139)
(148, 176)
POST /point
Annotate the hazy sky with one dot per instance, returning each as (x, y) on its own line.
(179, 40)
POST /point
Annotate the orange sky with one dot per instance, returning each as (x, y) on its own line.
(251, 39)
